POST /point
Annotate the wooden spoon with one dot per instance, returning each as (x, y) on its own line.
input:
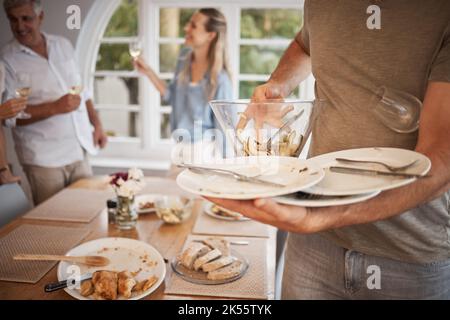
(97, 261)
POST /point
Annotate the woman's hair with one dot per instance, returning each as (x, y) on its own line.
(218, 51)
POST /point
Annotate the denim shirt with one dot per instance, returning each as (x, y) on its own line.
(190, 107)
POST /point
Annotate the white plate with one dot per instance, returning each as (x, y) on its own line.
(294, 173)
(350, 184)
(124, 254)
(324, 201)
(207, 208)
(151, 197)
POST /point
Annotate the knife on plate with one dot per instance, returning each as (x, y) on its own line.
(369, 172)
(63, 284)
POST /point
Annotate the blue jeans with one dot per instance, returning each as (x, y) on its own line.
(315, 268)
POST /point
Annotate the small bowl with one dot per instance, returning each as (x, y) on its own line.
(173, 209)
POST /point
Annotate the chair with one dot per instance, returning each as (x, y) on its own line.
(13, 203)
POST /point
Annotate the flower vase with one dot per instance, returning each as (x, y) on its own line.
(126, 216)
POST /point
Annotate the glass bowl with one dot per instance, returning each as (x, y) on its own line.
(173, 209)
(269, 128)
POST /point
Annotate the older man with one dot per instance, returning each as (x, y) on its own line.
(51, 144)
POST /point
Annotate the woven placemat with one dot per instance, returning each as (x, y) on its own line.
(35, 239)
(206, 224)
(253, 285)
(74, 205)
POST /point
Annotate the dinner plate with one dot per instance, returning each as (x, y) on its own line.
(208, 206)
(350, 184)
(301, 199)
(293, 173)
(124, 254)
(144, 198)
(200, 277)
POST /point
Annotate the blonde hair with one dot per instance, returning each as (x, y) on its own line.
(217, 53)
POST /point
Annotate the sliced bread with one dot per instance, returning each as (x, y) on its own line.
(227, 272)
(218, 243)
(213, 254)
(192, 252)
(217, 264)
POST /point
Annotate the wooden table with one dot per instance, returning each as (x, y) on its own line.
(167, 239)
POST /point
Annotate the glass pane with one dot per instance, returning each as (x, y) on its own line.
(270, 23)
(173, 20)
(165, 126)
(116, 90)
(246, 88)
(114, 57)
(121, 123)
(259, 59)
(124, 22)
(168, 54)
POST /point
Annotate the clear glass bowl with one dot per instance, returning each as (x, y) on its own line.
(173, 209)
(270, 128)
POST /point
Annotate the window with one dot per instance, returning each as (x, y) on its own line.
(130, 107)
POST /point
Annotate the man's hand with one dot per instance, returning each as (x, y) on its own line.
(100, 138)
(267, 211)
(67, 103)
(12, 107)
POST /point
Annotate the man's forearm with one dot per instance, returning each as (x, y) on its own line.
(293, 68)
(38, 112)
(93, 116)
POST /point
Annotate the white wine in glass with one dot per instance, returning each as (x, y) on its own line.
(23, 90)
(76, 89)
(135, 49)
(76, 86)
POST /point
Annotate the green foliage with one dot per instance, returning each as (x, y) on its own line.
(270, 24)
(124, 22)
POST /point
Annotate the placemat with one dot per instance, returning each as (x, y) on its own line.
(206, 224)
(35, 239)
(75, 205)
(253, 285)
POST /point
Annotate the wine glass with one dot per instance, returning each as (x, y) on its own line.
(398, 110)
(135, 48)
(75, 83)
(23, 90)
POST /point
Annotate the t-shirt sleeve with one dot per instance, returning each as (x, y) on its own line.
(440, 68)
(302, 37)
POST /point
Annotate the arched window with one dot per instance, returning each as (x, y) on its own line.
(129, 106)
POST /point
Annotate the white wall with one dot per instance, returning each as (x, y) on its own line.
(55, 23)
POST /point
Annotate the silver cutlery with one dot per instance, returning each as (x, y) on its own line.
(286, 124)
(369, 172)
(63, 284)
(233, 242)
(387, 166)
(229, 173)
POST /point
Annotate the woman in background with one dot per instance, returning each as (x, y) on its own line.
(202, 74)
(9, 109)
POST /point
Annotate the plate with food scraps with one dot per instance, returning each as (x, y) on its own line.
(302, 199)
(136, 269)
(145, 203)
(221, 213)
(340, 184)
(276, 175)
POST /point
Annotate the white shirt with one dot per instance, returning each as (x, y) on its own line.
(58, 140)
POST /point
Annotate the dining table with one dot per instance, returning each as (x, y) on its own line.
(167, 239)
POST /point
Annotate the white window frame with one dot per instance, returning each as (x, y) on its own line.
(150, 152)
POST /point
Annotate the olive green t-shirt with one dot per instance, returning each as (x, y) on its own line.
(349, 62)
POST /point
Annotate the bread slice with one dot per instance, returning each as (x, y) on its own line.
(192, 252)
(218, 243)
(213, 254)
(227, 272)
(217, 264)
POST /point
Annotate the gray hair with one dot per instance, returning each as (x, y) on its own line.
(9, 4)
